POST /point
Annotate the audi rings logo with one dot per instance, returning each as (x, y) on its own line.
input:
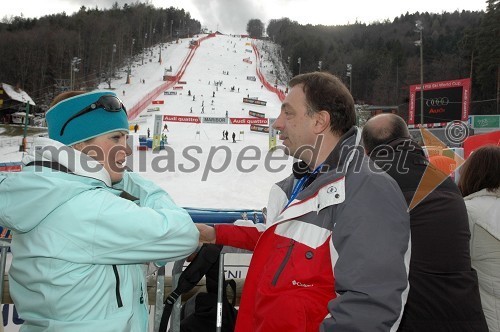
(443, 101)
(456, 132)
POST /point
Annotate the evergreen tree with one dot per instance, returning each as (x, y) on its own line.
(255, 28)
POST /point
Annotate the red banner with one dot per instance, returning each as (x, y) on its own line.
(177, 88)
(248, 121)
(181, 118)
(156, 102)
(10, 167)
(474, 142)
(443, 102)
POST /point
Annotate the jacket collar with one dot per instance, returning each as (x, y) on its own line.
(47, 150)
(483, 192)
(339, 156)
(400, 144)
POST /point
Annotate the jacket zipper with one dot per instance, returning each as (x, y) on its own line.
(283, 263)
(141, 300)
(117, 289)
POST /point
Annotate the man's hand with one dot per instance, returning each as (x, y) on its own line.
(207, 233)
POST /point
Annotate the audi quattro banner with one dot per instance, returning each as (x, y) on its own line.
(444, 102)
(181, 118)
(248, 121)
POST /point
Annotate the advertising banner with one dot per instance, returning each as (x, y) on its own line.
(157, 102)
(256, 114)
(273, 134)
(214, 120)
(157, 133)
(260, 129)
(178, 87)
(444, 102)
(251, 78)
(170, 93)
(181, 82)
(474, 142)
(485, 121)
(248, 121)
(181, 118)
(11, 167)
(247, 60)
(254, 101)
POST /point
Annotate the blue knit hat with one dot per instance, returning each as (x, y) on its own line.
(89, 125)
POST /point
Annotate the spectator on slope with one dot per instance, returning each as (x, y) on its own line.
(444, 293)
(333, 253)
(480, 184)
(234, 137)
(84, 227)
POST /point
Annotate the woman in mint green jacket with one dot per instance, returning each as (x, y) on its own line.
(83, 227)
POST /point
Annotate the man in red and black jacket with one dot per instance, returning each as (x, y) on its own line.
(333, 254)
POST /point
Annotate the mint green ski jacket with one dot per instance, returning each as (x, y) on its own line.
(79, 249)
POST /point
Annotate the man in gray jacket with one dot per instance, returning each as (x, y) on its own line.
(334, 253)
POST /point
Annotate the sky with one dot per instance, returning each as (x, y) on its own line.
(232, 16)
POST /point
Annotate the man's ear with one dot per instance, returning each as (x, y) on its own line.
(322, 122)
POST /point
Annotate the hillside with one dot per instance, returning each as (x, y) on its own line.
(198, 168)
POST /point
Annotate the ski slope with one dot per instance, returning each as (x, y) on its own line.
(198, 168)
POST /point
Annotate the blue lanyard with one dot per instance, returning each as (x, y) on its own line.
(300, 185)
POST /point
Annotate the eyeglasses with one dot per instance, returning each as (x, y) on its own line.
(109, 103)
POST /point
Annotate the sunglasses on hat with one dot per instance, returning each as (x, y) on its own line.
(109, 103)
